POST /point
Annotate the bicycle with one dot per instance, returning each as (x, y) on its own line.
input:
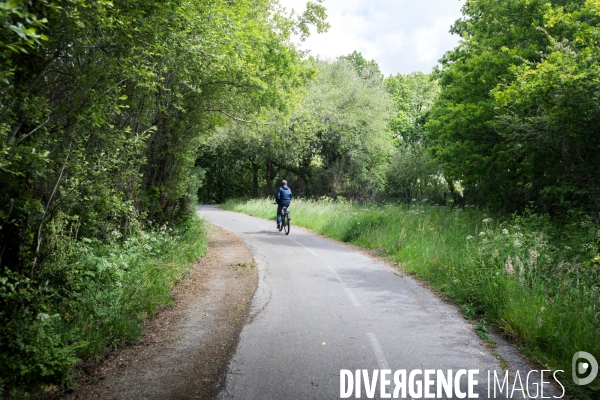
(285, 220)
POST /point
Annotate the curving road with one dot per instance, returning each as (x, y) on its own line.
(321, 307)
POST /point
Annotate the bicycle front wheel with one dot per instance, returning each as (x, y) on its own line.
(286, 225)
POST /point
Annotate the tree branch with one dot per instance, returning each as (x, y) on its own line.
(39, 232)
(33, 131)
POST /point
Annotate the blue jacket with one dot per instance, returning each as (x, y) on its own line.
(283, 195)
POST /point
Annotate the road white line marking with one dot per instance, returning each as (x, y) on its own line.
(346, 289)
(383, 364)
(304, 246)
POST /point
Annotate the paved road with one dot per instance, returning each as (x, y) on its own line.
(321, 307)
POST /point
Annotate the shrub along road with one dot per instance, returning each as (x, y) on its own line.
(321, 307)
(185, 350)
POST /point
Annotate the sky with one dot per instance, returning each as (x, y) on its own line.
(403, 36)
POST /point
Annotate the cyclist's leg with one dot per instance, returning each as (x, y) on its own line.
(279, 208)
(283, 210)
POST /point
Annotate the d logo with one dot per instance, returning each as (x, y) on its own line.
(580, 368)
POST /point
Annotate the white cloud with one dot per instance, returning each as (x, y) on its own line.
(401, 35)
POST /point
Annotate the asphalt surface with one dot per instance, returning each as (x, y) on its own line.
(321, 307)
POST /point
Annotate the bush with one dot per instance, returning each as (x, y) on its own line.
(95, 296)
(413, 174)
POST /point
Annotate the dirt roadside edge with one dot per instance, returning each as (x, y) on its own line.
(185, 351)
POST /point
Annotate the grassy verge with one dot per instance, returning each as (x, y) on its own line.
(537, 283)
(94, 296)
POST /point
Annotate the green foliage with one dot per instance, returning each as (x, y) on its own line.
(515, 119)
(103, 105)
(365, 69)
(412, 174)
(95, 295)
(111, 139)
(413, 96)
(334, 142)
(229, 172)
(314, 15)
(549, 113)
(341, 124)
(525, 274)
(19, 33)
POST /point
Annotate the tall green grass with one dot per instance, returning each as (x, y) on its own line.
(536, 283)
(95, 295)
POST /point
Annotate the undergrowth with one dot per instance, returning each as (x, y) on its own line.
(92, 296)
(536, 280)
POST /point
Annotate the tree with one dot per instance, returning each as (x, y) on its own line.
(412, 174)
(103, 105)
(498, 38)
(413, 96)
(364, 68)
(335, 141)
(550, 113)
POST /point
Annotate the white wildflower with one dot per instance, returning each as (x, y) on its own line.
(521, 270)
(533, 256)
(481, 234)
(495, 253)
(487, 220)
(505, 231)
(510, 270)
(517, 243)
(43, 316)
(469, 237)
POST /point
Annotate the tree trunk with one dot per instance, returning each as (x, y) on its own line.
(255, 168)
(270, 175)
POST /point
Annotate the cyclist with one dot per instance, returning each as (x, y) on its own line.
(283, 197)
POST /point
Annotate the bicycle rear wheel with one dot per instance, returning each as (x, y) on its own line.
(286, 225)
